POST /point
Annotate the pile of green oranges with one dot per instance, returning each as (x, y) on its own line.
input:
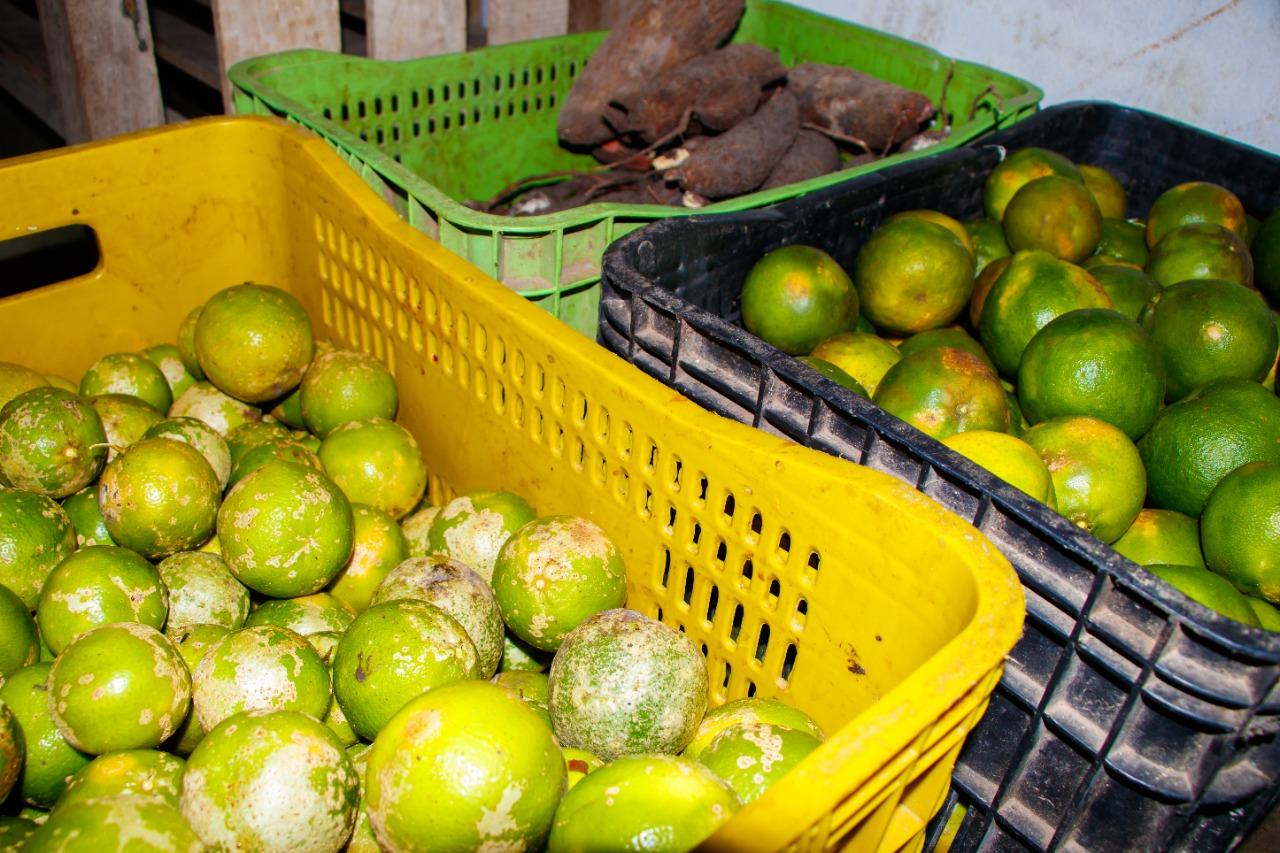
(229, 619)
(1121, 371)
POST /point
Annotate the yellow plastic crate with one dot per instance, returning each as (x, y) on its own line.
(803, 577)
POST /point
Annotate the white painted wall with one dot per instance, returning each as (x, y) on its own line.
(1211, 63)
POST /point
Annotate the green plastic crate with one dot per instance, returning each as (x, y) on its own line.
(429, 133)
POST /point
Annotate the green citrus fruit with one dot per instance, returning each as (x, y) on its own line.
(1211, 590)
(362, 837)
(1240, 529)
(1019, 168)
(1098, 477)
(1009, 458)
(206, 403)
(15, 378)
(35, 536)
(746, 712)
(864, 356)
(1131, 290)
(86, 517)
(938, 218)
(1193, 203)
(19, 640)
(135, 824)
(380, 546)
(285, 530)
(1056, 215)
(473, 528)
(531, 688)
(159, 497)
(751, 757)
(51, 761)
(391, 653)
(1033, 290)
(51, 442)
(254, 341)
(795, 296)
(125, 419)
(1093, 362)
(128, 373)
(201, 436)
(988, 241)
(1122, 240)
(343, 386)
(1105, 189)
(642, 802)
(202, 591)
(256, 669)
(1195, 443)
(944, 391)
(1162, 536)
(458, 591)
(13, 752)
(192, 643)
(623, 683)
(950, 336)
(283, 451)
(552, 574)
(186, 343)
(982, 287)
(1268, 614)
(1202, 251)
(416, 527)
(913, 275)
(376, 462)
(169, 360)
(836, 375)
(1266, 257)
(250, 434)
(270, 780)
(487, 764)
(519, 656)
(579, 763)
(97, 586)
(147, 773)
(304, 615)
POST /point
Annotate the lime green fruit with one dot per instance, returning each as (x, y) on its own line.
(1268, 614)
(304, 615)
(206, 403)
(50, 759)
(256, 669)
(192, 643)
(1201, 251)
(121, 686)
(835, 374)
(169, 360)
(863, 355)
(271, 780)
(202, 591)
(380, 545)
(13, 751)
(376, 462)
(343, 386)
(135, 824)
(473, 528)
(86, 517)
(751, 757)
(201, 436)
(391, 653)
(642, 802)
(1123, 240)
(1131, 290)
(51, 442)
(456, 590)
(251, 434)
(125, 419)
(128, 373)
(35, 536)
(287, 450)
(623, 683)
(988, 239)
(531, 688)
(15, 378)
(748, 712)
(362, 838)
(159, 497)
(1009, 458)
(1211, 590)
(139, 773)
(285, 530)
(19, 641)
(579, 763)
(795, 296)
(519, 656)
(416, 527)
(487, 764)
(552, 574)
(186, 343)
(15, 832)
(97, 586)
(254, 341)
(1240, 529)
(1162, 537)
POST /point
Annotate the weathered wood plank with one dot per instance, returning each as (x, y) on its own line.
(404, 29)
(520, 20)
(248, 28)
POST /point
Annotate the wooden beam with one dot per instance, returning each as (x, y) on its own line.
(248, 28)
(520, 20)
(185, 46)
(24, 71)
(102, 66)
(588, 15)
(404, 29)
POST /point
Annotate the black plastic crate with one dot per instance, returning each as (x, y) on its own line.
(1128, 715)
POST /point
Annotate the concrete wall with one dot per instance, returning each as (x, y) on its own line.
(1210, 63)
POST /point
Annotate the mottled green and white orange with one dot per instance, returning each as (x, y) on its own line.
(201, 436)
(376, 462)
(362, 838)
(16, 378)
(19, 640)
(159, 497)
(487, 764)
(128, 373)
(343, 386)
(125, 419)
(86, 516)
(35, 536)
(746, 712)
(121, 686)
(204, 402)
(1201, 251)
(456, 590)
(169, 360)
(639, 802)
(51, 442)
(251, 434)
(1018, 169)
(552, 574)
(416, 527)
(192, 643)
(50, 760)
(135, 824)
(391, 653)
(623, 683)
(380, 545)
(944, 391)
(1034, 288)
(254, 341)
(259, 669)
(202, 591)
(285, 450)
(139, 773)
(271, 781)
(519, 656)
(13, 751)
(751, 757)
(531, 688)
(286, 530)
(97, 586)
(473, 528)
(1191, 203)
(304, 615)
